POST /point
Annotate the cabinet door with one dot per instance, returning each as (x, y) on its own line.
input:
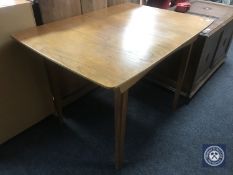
(223, 44)
(207, 55)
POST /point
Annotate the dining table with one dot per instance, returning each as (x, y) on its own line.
(114, 48)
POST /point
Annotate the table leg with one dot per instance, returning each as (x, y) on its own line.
(52, 73)
(121, 105)
(183, 68)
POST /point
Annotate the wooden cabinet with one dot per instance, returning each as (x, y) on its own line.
(208, 53)
(25, 98)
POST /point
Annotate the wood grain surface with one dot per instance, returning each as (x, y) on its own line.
(114, 47)
(115, 2)
(52, 10)
(92, 5)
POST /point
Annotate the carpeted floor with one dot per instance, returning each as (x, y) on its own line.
(159, 142)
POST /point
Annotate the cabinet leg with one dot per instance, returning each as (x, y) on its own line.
(121, 105)
(182, 72)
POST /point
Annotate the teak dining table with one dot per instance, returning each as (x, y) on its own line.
(115, 47)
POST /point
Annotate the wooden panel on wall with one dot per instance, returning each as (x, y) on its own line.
(137, 1)
(53, 10)
(92, 5)
(115, 2)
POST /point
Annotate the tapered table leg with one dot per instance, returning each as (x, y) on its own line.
(121, 106)
(183, 68)
(52, 73)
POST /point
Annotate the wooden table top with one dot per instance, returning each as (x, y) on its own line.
(113, 47)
